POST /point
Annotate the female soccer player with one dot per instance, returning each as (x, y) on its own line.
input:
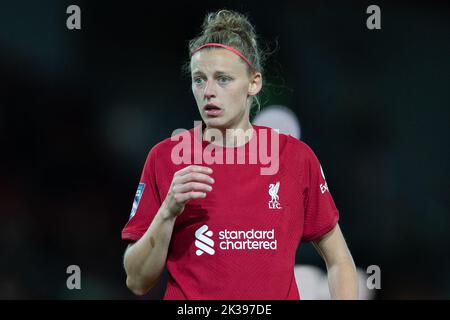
(226, 204)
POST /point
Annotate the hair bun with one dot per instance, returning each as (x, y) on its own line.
(228, 21)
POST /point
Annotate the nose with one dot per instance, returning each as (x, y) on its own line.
(210, 91)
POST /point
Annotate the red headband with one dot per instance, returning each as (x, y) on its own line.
(213, 44)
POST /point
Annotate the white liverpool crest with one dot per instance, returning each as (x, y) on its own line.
(273, 192)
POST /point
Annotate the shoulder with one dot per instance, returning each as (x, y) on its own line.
(295, 147)
(164, 148)
(301, 147)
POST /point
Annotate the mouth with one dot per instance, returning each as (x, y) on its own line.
(212, 110)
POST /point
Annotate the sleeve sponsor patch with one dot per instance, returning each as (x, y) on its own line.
(137, 199)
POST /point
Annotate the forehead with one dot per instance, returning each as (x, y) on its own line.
(217, 59)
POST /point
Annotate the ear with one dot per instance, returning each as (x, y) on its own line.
(255, 84)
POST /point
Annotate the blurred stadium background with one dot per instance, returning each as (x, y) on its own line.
(79, 111)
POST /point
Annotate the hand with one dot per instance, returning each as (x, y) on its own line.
(191, 182)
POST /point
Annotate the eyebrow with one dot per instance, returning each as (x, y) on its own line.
(216, 73)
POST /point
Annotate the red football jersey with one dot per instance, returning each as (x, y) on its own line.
(241, 240)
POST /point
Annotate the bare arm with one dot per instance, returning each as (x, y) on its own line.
(144, 260)
(342, 276)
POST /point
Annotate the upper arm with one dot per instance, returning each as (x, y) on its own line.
(332, 247)
(128, 247)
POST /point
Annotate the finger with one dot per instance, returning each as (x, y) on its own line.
(184, 197)
(194, 168)
(191, 186)
(195, 177)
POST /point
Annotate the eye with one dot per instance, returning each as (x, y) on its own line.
(198, 81)
(223, 79)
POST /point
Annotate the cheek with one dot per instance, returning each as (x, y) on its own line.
(238, 93)
(241, 95)
(196, 92)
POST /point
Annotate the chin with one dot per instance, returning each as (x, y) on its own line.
(215, 123)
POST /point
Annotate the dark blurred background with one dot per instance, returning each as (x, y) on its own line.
(79, 111)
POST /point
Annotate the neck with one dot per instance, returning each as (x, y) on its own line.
(230, 136)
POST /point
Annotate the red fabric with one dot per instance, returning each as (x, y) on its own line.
(239, 202)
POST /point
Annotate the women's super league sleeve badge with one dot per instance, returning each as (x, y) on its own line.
(137, 198)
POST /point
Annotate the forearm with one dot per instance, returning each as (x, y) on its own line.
(343, 280)
(144, 261)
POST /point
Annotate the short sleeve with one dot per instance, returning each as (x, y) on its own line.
(321, 214)
(146, 201)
